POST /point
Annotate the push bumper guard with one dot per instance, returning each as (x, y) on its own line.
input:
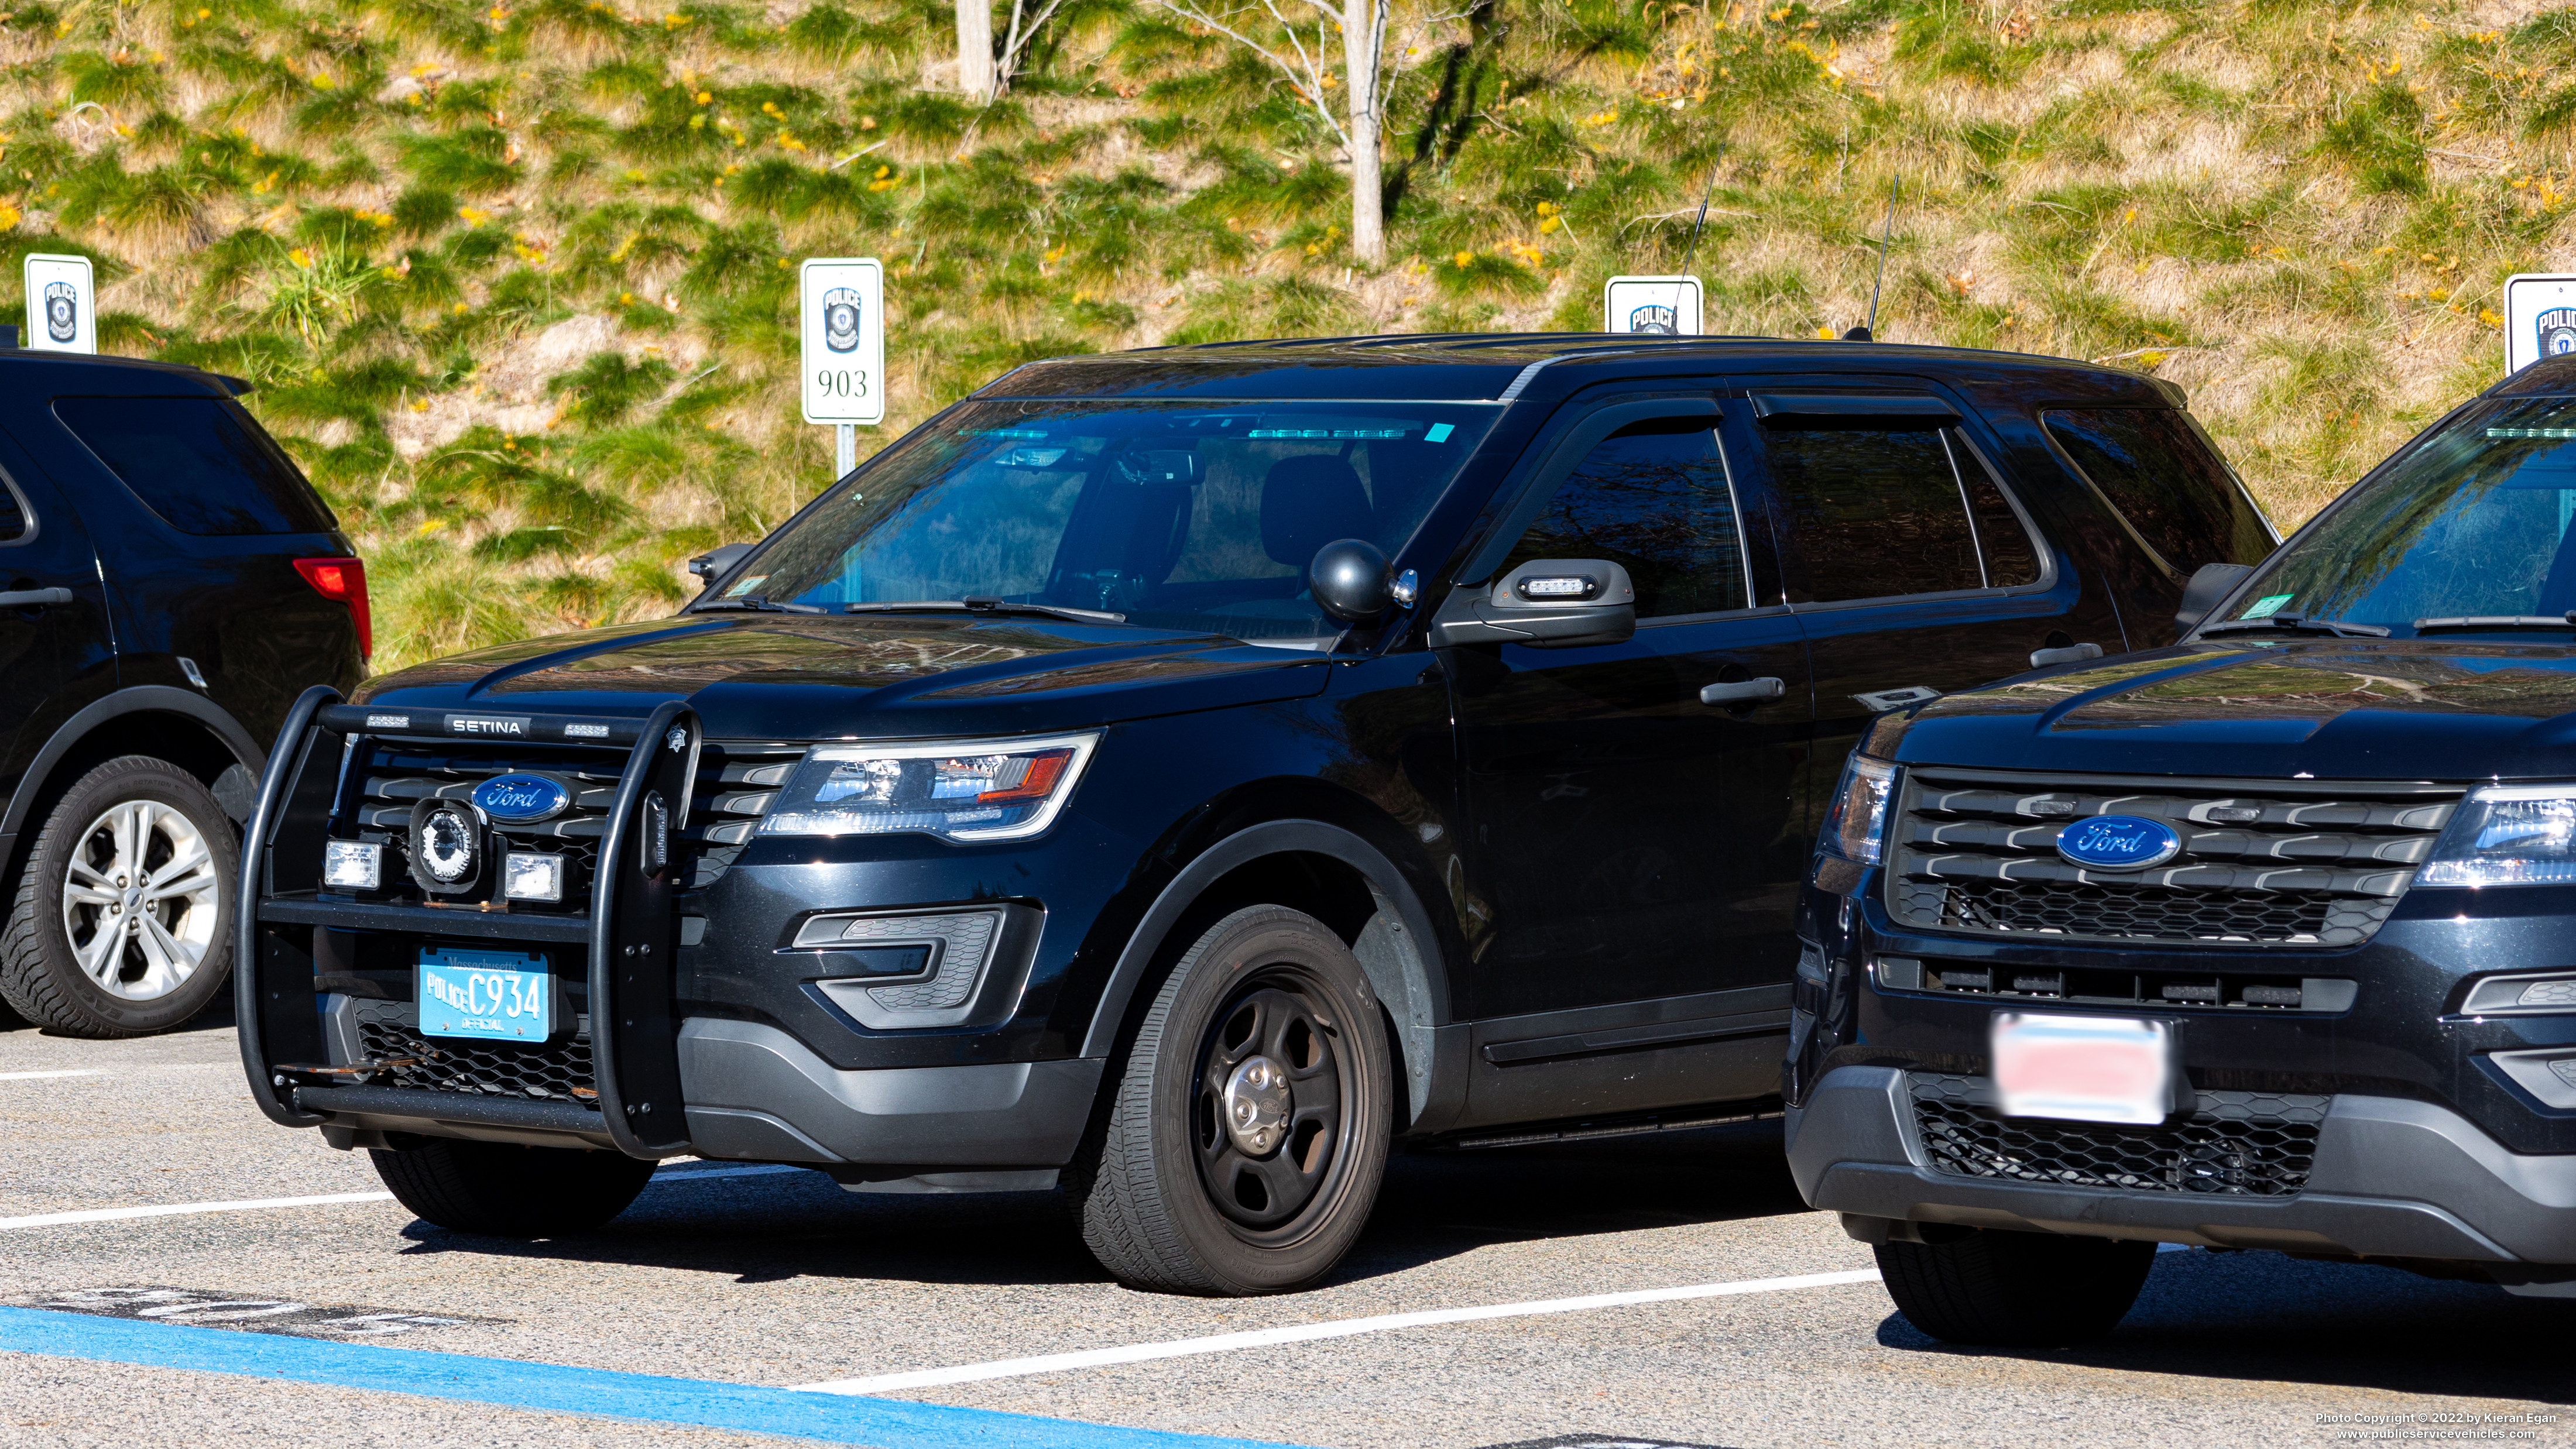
(630, 929)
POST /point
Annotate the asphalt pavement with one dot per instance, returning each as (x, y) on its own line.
(1735, 1317)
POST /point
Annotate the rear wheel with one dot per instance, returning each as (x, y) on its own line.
(509, 1191)
(1248, 1135)
(2015, 1290)
(122, 923)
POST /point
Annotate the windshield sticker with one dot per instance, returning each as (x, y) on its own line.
(2265, 608)
(1439, 433)
(745, 585)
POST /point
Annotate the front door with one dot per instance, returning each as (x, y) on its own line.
(56, 649)
(1633, 843)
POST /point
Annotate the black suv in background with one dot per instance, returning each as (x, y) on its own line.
(2261, 940)
(169, 583)
(1176, 775)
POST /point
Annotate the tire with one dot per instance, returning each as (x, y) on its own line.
(123, 920)
(1268, 1014)
(505, 1191)
(2015, 1290)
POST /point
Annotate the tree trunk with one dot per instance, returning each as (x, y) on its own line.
(1361, 41)
(975, 49)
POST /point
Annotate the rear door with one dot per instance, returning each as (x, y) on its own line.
(1911, 567)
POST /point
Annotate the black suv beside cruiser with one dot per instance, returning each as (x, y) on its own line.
(169, 584)
(2256, 941)
(1178, 775)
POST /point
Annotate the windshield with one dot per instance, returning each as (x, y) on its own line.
(1175, 515)
(2473, 524)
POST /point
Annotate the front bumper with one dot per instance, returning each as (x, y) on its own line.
(2393, 1178)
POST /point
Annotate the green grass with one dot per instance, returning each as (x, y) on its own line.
(515, 283)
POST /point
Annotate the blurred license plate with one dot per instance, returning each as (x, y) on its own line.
(2083, 1068)
(495, 995)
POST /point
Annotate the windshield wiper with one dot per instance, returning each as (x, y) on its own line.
(2555, 622)
(976, 604)
(2342, 628)
(758, 605)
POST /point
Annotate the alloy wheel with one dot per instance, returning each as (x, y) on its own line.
(139, 900)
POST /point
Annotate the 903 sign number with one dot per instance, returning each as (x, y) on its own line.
(843, 382)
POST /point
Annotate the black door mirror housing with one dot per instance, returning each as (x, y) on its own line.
(712, 565)
(2209, 584)
(1352, 580)
(1548, 603)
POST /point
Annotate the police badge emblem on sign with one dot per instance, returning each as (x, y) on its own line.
(2539, 319)
(61, 304)
(841, 339)
(1651, 306)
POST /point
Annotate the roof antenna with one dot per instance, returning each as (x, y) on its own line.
(1693, 249)
(1868, 331)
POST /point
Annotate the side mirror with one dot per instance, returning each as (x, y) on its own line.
(1352, 580)
(711, 565)
(2209, 584)
(1549, 603)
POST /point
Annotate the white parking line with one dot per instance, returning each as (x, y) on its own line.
(176, 1209)
(1307, 1332)
(31, 1076)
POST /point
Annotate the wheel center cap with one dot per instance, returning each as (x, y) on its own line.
(1257, 1103)
(134, 900)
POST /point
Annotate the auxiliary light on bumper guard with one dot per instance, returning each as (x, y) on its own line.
(630, 929)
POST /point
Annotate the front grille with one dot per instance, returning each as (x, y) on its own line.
(557, 1071)
(2268, 862)
(734, 784)
(2237, 1144)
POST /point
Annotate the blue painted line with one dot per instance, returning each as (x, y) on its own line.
(559, 1389)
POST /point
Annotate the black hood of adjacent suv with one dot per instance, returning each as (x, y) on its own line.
(2350, 709)
(802, 676)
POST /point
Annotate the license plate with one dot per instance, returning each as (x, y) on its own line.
(2083, 1068)
(493, 995)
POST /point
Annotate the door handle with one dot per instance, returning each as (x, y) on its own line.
(34, 598)
(2072, 653)
(1742, 691)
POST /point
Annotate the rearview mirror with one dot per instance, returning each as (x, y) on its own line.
(711, 565)
(2211, 583)
(1549, 603)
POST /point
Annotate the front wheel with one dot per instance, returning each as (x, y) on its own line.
(123, 919)
(1248, 1135)
(2015, 1290)
(511, 1192)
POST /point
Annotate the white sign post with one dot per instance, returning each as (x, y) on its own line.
(62, 312)
(2539, 319)
(1654, 306)
(840, 324)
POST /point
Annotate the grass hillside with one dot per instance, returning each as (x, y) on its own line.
(515, 279)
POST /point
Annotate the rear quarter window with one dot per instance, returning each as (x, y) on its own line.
(201, 463)
(2166, 479)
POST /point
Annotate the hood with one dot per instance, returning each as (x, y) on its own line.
(801, 676)
(2399, 709)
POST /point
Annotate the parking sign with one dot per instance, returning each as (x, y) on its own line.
(2539, 319)
(1655, 306)
(841, 323)
(61, 311)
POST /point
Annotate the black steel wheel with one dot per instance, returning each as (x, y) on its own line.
(1247, 1133)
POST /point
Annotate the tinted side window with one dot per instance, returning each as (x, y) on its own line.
(2158, 471)
(1876, 512)
(13, 518)
(199, 462)
(1653, 499)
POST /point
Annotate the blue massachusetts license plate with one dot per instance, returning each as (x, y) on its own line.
(495, 995)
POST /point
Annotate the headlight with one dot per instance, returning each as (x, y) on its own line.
(1859, 815)
(2507, 835)
(967, 790)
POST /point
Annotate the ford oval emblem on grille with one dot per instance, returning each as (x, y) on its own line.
(521, 799)
(2119, 842)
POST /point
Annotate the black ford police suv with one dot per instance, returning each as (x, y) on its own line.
(1178, 775)
(169, 583)
(2256, 941)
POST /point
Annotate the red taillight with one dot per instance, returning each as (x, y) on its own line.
(342, 581)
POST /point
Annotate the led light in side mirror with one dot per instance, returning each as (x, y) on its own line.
(1559, 586)
(530, 877)
(352, 865)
